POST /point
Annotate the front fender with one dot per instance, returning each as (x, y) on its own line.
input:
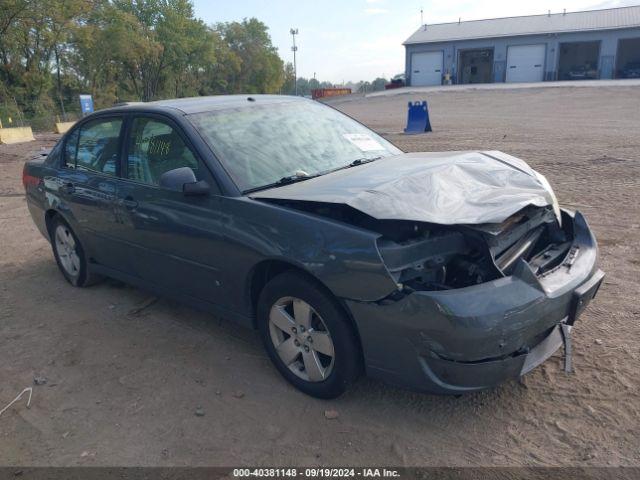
(344, 258)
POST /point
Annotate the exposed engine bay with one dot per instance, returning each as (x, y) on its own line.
(461, 256)
(427, 257)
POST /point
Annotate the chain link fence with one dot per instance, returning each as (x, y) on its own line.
(44, 120)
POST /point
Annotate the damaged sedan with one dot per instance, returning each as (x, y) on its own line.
(441, 272)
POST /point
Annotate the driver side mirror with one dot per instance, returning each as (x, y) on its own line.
(184, 180)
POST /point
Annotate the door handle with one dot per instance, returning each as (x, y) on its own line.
(129, 203)
(68, 188)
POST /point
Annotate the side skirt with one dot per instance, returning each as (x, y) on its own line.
(192, 302)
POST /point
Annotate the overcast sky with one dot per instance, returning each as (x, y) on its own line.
(362, 39)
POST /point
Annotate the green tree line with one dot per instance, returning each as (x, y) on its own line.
(126, 50)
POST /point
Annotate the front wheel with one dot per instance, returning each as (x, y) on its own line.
(308, 336)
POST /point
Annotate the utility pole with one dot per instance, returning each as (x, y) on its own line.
(421, 17)
(294, 49)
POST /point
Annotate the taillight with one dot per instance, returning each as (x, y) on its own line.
(29, 179)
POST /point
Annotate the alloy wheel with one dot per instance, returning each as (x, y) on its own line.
(67, 251)
(301, 339)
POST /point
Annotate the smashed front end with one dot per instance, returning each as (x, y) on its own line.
(490, 273)
(478, 304)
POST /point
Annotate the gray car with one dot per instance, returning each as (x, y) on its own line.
(442, 272)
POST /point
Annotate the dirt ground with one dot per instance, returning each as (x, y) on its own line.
(123, 388)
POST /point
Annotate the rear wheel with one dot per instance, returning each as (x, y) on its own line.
(308, 336)
(70, 255)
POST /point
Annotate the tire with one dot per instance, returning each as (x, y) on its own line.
(300, 340)
(70, 255)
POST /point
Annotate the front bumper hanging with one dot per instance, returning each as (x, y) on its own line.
(468, 339)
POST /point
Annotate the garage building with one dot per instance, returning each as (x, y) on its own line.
(561, 46)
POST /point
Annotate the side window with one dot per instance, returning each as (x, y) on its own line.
(53, 159)
(155, 148)
(71, 149)
(95, 146)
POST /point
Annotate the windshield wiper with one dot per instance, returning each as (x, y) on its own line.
(362, 161)
(355, 163)
(294, 178)
(283, 181)
(298, 177)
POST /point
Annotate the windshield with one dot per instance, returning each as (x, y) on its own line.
(260, 145)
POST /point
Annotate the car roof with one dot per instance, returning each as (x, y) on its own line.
(193, 105)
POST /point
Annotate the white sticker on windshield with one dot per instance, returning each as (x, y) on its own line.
(364, 142)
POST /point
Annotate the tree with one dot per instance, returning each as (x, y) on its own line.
(259, 69)
(61, 22)
(375, 86)
(105, 48)
(116, 50)
(378, 84)
(288, 84)
(162, 32)
(305, 86)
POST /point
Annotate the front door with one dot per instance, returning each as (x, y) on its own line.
(176, 241)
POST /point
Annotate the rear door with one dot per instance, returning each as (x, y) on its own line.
(175, 241)
(525, 63)
(87, 185)
(426, 68)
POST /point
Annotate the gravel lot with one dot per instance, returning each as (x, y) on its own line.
(123, 388)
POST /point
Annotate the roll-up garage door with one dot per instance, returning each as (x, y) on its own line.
(426, 68)
(525, 63)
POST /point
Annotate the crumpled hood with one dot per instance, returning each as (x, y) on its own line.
(444, 188)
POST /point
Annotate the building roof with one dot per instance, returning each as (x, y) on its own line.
(612, 18)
